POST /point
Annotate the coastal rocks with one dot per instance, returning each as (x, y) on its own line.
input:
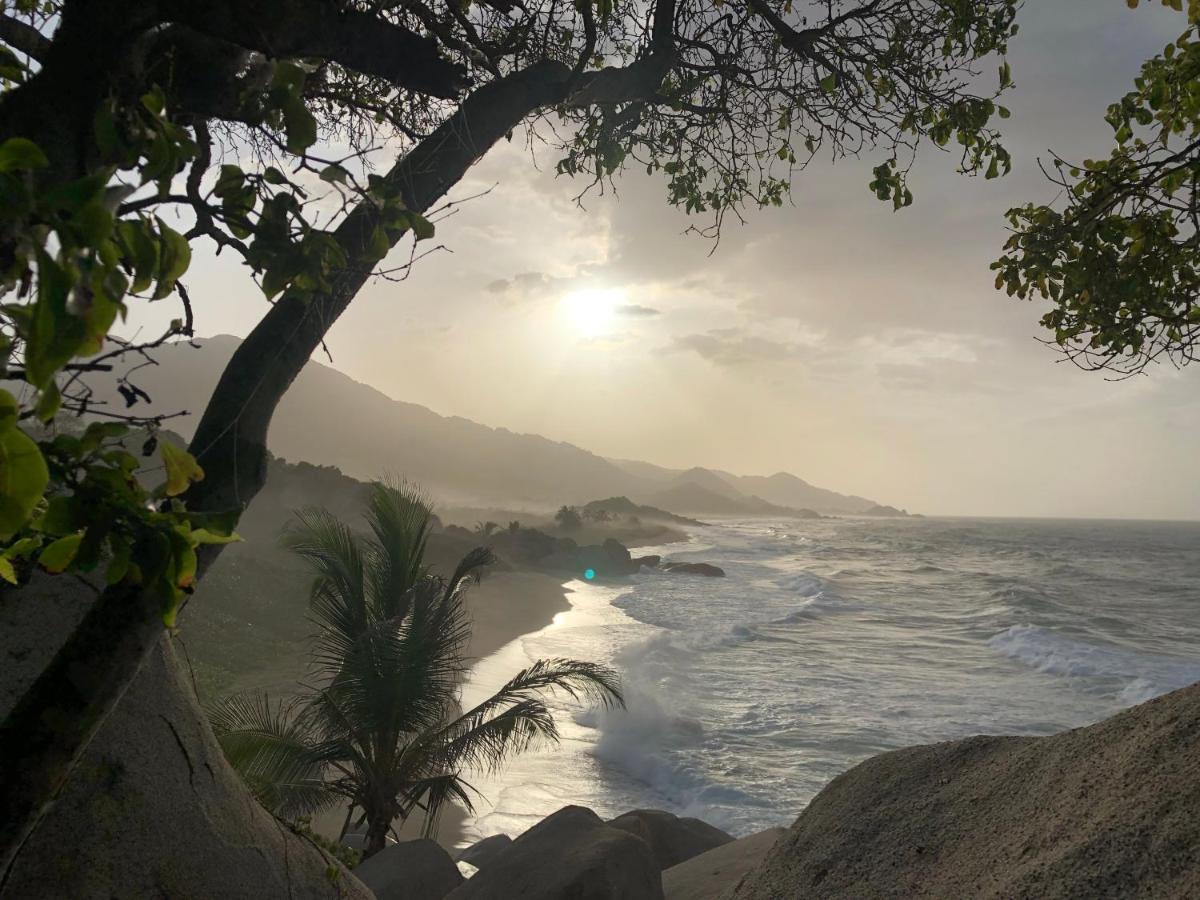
(713, 874)
(571, 853)
(484, 851)
(647, 562)
(412, 870)
(152, 809)
(1103, 811)
(672, 840)
(690, 568)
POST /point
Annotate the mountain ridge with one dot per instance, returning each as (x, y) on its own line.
(329, 418)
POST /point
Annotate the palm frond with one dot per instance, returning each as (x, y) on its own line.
(469, 569)
(269, 743)
(399, 516)
(338, 601)
(485, 746)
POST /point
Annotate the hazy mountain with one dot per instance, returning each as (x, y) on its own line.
(780, 489)
(696, 499)
(788, 490)
(707, 479)
(328, 418)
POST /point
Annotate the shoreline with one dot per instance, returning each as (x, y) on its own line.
(504, 607)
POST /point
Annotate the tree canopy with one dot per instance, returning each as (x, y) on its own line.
(1119, 256)
(309, 138)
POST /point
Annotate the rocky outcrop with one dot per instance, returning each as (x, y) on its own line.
(571, 853)
(153, 809)
(693, 568)
(1104, 811)
(647, 562)
(411, 870)
(484, 851)
(672, 840)
(714, 874)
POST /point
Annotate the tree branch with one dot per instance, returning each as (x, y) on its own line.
(324, 29)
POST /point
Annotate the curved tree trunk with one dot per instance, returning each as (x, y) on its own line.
(94, 668)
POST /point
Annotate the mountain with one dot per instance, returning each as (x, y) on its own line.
(781, 489)
(329, 418)
(695, 498)
(788, 490)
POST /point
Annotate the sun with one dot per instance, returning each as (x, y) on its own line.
(592, 312)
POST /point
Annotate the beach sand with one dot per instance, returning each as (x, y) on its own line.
(504, 606)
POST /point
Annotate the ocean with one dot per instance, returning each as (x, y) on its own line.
(832, 640)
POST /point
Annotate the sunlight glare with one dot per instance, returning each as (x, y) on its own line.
(591, 312)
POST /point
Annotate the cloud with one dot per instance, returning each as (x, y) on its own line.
(734, 347)
(636, 310)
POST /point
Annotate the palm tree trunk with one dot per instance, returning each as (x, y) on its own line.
(377, 829)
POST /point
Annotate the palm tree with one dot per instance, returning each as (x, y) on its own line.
(378, 726)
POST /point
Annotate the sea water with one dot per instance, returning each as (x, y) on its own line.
(832, 640)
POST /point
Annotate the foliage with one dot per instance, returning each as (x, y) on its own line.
(1120, 261)
(568, 518)
(377, 727)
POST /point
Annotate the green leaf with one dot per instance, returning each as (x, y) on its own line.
(422, 228)
(299, 124)
(62, 516)
(335, 174)
(56, 557)
(182, 468)
(23, 479)
(7, 572)
(829, 83)
(174, 258)
(21, 155)
(54, 334)
(8, 411)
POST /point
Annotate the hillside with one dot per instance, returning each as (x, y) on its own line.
(696, 499)
(328, 418)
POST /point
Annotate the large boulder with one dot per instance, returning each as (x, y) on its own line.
(411, 870)
(1104, 811)
(480, 853)
(714, 874)
(153, 809)
(672, 839)
(693, 568)
(570, 854)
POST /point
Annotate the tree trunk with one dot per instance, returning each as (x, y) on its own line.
(377, 830)
(46, 732)
(97, 664)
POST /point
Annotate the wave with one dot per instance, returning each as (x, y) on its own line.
(1144, 675)
(651, 741)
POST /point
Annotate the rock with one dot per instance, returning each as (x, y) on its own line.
(570, 854)
(647, 562)
(689, 568)
(152, 809)
(410, 870)
(672, 839)
(713, 874)
(1103, 811)
(616, 551)
(480, 853)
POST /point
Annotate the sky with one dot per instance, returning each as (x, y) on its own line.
(864, 350)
